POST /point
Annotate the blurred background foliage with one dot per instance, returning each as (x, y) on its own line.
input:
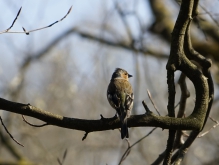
(66, 69)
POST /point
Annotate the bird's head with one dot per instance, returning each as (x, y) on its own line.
(120, 73)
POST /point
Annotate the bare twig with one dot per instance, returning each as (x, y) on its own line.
(59, 161)
(155, 107)
(146, 107)
(178, 141)
(12, 22)
(126, 153)
(27, 32)
(85, 135)
(9, 133)
(214, 126)
(64, 155)
(209, 15)
(177, 105)
(212, 119)
(123, 18)
(63, 158)
(33, 125)
(206, 132)
(199, 26)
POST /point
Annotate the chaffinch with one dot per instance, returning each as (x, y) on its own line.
(120, 97)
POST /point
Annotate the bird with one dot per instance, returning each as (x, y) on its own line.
(120, 96)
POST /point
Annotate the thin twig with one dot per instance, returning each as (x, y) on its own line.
(50, 24)
(126, 153)
(27, 32)
(206, 132)
(179, 154)
(182, 106)
(9, 133)
(155, 107)
(146, 107)
(6, 31)
(33, 125)
(59, 161)
(125, 22)
(209, 15)
(63, 158)
(177, 105)
(64, 155)
(212, 119)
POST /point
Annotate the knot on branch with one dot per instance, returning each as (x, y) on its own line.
(171, 66)
(208, 63)
(28, 106)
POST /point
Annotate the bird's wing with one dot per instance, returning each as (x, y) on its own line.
(112, 96)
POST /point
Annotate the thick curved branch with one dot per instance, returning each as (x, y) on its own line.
(176, 53)
(204, 63)
(179, 61)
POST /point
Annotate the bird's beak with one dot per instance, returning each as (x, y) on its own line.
(130, 75)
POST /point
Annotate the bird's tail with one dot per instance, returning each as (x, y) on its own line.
(124, 129)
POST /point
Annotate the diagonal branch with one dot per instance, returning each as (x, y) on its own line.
(155, 107)
(9, 133)
(130, 146)
(13, 21)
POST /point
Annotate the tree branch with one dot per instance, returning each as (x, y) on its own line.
(179, 61)
(149, 119)
(10, 134)
(130, 146)
(29, 31)
(12, 22)
(171, 113)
